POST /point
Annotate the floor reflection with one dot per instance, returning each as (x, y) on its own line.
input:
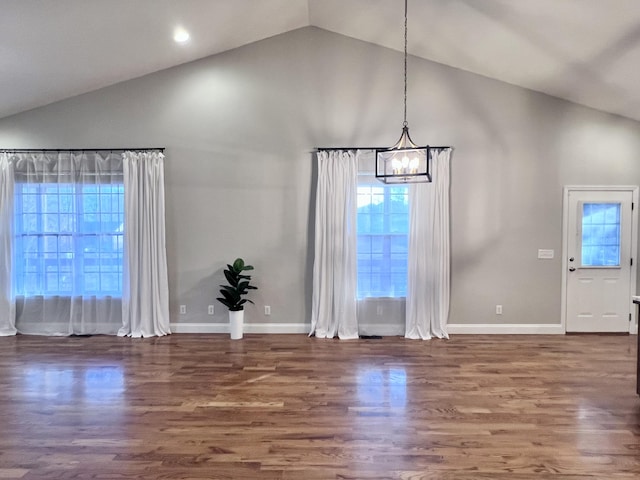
(91, 385)
(386, 386)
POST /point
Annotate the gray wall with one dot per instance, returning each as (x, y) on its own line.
(239, 130)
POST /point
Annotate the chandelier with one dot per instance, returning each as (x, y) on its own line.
(405, 162)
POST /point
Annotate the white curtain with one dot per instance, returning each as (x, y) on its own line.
(335, 268)
(145, 296)
(7, 302)
(428, 287)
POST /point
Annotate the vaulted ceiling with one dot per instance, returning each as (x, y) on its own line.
(586, 51)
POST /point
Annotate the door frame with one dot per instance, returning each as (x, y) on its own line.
(634, 189)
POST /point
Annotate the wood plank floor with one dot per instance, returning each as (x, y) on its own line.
(291, 407)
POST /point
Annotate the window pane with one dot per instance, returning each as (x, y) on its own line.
(30, 222)
(66, 203)
(377, 263)
(399, 203)
(364, 245)
(50, 244)
(612, 214)
(364, 282)
(399, 244)
(399, 223)
(29, 203)
(364, 222)
(399, 283)
(398, 263)
(612, 256)
(377, 223)
(364, 200)
(611, 235)
(50, 222)
(364, 264)
(51, 202)
(378, 245)
(66, 224)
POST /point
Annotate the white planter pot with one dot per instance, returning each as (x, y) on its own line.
(236, 323)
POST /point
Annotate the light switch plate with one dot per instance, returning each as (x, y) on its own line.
(545, 254)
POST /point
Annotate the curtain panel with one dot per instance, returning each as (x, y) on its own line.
(7, 302)
(335, 268)
(145, 293)
(428, 282)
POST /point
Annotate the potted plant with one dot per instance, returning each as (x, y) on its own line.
(239, 285)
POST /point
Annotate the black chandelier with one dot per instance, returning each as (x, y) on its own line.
(405, 162)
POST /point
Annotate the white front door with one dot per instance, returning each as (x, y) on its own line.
(598, 261)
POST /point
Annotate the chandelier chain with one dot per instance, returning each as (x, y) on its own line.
(404, 124)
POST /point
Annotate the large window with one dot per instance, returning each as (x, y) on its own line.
(383, 227)
(68, 239)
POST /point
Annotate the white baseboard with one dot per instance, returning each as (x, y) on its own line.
(375, 329)
(392, 330)
(248, 328)
(505, 329)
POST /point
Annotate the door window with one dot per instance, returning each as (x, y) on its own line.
(600, 235)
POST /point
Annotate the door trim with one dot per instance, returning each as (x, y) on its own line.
(634, 189)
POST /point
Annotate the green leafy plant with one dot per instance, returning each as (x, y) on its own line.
(239, 285)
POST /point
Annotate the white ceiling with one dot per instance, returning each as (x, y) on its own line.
(587, 51)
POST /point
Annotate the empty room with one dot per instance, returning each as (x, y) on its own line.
(319, 239)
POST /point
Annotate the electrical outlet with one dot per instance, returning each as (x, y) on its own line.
(267, 310)
(183, 309)
(498, 309)
(210, 310)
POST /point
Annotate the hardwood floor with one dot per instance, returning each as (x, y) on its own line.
(291, 407)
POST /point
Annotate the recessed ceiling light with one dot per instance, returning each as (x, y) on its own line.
(181, 36)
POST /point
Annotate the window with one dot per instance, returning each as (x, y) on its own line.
(69, 239)
(383, 228)
(601, 234)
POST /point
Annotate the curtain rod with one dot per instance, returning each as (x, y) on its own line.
(43, 150)
(321, 149)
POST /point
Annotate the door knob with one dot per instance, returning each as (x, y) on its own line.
(571, 259)
(572, 269)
